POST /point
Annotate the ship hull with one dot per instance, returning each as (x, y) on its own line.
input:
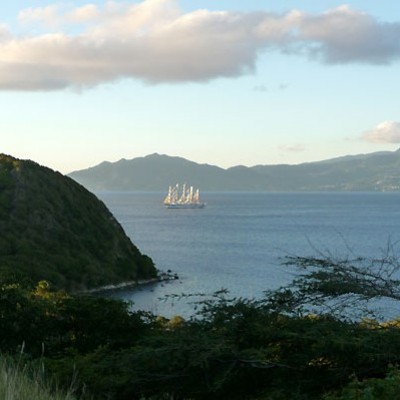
(185, 206)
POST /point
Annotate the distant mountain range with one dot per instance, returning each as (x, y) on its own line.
(379, 171)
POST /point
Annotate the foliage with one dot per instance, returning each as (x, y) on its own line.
(57, 323)
(18, 382)
(53, 229)
(341, 287)
(234, 349)
(241, 351)
(387, 388)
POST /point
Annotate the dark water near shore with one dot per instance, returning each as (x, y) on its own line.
(238, 241)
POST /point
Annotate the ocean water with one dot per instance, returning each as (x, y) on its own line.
(239, 241)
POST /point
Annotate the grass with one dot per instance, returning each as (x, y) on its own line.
(19, 383)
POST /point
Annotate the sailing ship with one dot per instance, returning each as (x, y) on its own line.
(188, 197)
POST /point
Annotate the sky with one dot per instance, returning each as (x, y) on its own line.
(223, 82)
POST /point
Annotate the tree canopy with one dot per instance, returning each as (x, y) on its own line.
(232, 349)
(52, 228)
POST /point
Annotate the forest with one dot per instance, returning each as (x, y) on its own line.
(300, 342)
(53, 229)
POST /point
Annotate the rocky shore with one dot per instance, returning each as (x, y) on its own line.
(161, 277)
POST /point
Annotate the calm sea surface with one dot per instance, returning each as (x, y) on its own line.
(238, 241)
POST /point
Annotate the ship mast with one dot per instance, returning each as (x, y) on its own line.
(183, 197)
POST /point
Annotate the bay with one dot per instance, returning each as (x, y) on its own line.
(239, 240)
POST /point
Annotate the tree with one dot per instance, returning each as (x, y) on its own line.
(386, 388)
(343, 287)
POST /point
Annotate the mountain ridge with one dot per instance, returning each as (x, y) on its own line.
(378, 171)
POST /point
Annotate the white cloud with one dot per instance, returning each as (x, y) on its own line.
(88, 12)
(54, 16)
(266, 88)
(260, 88)
(385, 132)
(5, 34)
(154, 41)
(294, 148)
(46, 15)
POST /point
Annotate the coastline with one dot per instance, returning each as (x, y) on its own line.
(162, 277)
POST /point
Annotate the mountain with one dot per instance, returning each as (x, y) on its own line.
(155, 172)
(379, 171)
(52, 228)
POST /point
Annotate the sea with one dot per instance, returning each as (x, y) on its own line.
(239, 242)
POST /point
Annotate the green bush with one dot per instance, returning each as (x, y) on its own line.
(387, 388)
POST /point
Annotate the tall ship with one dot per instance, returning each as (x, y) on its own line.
(187, 197)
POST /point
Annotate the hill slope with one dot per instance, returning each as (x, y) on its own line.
(147, 173)
(54, 229)
(378, 171)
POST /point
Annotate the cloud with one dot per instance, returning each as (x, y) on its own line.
(385, 132)
(343, 35)
(264, 88)
(155, 41)
(295, 148)
(44, 14)
(54, 16)
(260, 88)
(5, 34)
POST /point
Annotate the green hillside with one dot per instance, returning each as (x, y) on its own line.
(54, 229)
(377, 171)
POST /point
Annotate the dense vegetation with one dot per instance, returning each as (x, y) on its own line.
(267, 349)
(54, 229)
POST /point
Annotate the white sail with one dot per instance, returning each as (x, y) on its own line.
(196, 196)
(183, 197)
(168, 198)
(188, 197)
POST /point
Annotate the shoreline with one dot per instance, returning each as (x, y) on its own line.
(162, 277)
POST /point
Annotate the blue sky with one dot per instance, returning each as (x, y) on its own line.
(221, 82)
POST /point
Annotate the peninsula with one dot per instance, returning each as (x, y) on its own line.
(54, 229)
